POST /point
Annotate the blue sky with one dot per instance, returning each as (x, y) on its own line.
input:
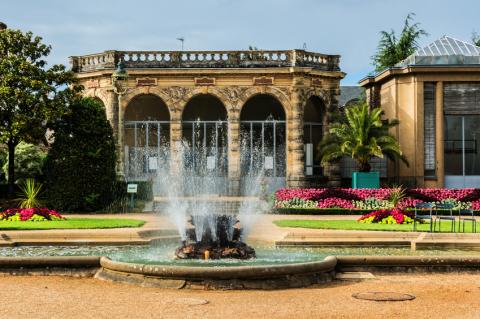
(346, 27)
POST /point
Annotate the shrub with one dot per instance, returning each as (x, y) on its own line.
(30, 191)
(439, 194)
(80, 166)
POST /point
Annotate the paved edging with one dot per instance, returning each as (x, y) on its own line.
(47, 262)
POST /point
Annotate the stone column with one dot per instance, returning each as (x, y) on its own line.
(234, 151)
(295, 149)
(176, 160)
(439, 139)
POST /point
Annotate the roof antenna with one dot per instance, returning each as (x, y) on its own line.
(181, 39)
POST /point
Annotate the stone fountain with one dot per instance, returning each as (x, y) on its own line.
(221, 241)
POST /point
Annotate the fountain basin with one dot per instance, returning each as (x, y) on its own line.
(234, 277)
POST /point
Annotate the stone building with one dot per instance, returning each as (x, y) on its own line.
(236, 109)
(435, 93)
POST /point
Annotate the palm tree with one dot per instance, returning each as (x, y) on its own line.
(476, 39)
(361, 134)
(391, 50)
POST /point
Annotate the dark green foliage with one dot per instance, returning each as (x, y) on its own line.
(80, 167)
(391, 50)
(360, 134)
(30, 92)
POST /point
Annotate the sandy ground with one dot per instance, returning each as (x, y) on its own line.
(437, 296)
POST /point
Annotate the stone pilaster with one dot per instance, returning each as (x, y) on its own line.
(176, 143)
(234, 152)
(295, 148)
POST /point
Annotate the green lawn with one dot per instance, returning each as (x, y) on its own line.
(72, 223)
(354, 225)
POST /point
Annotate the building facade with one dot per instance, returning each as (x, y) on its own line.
(435, 93)
(236, 110)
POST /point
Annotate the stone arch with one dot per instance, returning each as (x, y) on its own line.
(190, 94)
(280, 96)
(264, 117)
(154, 108)
(315, 109)
(262, 111)
(135, 93)
(101, 95)
(146, 134)
(205, 131)
(216, 109)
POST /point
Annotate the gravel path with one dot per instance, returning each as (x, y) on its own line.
(438, 296)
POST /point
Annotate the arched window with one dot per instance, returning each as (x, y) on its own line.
(263, 140)
(147, 136)
(314, 116)
(204, 130)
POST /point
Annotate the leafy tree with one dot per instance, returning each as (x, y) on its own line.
(392, 50)
(361, 134)
(30, 93)
(29, 161)
(80, 166)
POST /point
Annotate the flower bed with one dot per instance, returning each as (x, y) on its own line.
(30, 214)
(374, 199)
(387, 216)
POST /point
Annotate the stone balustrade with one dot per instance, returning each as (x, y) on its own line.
(205, 59)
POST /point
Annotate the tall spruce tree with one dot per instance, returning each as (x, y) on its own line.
(80, 166)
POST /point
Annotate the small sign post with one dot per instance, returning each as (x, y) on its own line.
(132, 190)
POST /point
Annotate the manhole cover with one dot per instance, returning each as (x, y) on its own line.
(191, 301)
(383, 296)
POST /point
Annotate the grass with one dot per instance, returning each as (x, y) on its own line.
(354, 225)
(72, 223)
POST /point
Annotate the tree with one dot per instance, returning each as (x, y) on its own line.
(28, 91)
(80, 166)
(29, 161)
(391, 50)
(360, 134)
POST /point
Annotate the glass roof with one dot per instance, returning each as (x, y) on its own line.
(445, 50)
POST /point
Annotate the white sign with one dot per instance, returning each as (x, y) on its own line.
(152, 163)
(211, 162)
(268, 162)
(132, 188)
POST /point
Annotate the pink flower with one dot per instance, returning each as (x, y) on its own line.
(335, 202)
